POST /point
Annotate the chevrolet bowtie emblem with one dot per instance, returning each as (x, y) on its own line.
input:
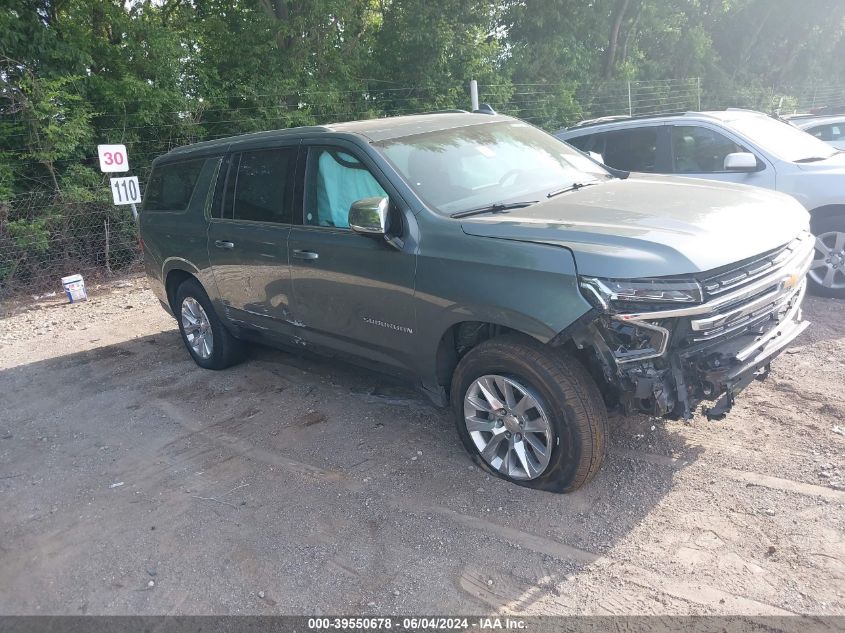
(792, 281)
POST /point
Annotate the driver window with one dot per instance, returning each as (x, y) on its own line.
(699, 150)
(337, 179)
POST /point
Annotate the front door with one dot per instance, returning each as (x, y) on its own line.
(352, 293)
(248, 233)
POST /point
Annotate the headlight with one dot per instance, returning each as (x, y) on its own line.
(610, 293)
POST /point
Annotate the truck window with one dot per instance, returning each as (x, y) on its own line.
(263, 186)
(336, 180)
(700, 150)
(584, 143)
(171, 185)
(830, 132)
(631, 150)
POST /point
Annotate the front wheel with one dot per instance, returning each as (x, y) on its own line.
(529, 414)
(827, 273)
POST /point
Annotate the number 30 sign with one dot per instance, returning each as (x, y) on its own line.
(113, 158)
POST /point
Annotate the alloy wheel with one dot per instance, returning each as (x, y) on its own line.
(828, 268)
(197, 328)
(508, 426)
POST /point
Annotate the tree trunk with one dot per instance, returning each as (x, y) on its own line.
(613, 42)
(632, 29)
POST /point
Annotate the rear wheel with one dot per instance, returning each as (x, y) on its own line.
(827, 273)
(529, 414)
(207, 340)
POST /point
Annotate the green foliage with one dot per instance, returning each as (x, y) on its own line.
(154, 74)
(30, 236)
(157, 73)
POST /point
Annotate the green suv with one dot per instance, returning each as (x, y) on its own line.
(503, 272)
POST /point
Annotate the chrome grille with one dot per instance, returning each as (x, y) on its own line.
(756, 293)
(736, 276)
(751, 297)
(758, 312)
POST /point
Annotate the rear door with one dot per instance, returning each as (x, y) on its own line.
(248, 233)
(352, 293)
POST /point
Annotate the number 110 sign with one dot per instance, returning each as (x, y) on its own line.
(125, 190)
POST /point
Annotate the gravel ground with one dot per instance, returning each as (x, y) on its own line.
(133, 482)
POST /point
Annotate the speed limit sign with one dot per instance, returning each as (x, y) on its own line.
(113, 158)
(125, 190)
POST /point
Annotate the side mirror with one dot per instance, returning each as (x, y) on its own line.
(741, 161)
(596, 157)
(368, 215)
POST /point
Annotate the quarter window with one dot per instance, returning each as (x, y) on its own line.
(171, 185)
(700, 150)
(262, 188)
(336, 180)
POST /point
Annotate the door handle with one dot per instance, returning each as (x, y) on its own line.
(305, 254)
(224, 244)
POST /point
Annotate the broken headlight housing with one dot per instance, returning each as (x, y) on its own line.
(621, 294)
(630, 335)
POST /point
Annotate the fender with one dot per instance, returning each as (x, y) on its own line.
(526, 287)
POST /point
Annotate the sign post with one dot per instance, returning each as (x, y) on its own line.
(125, 190)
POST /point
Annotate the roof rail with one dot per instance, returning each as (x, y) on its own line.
(622, 117)
(600, 120)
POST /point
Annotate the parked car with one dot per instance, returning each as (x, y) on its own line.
(503, 272)
(830, 129)
(736, 146)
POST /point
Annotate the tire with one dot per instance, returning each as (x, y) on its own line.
(827, 275)
(569, 403)
(193, 308)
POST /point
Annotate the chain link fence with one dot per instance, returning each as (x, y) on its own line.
(45, 236)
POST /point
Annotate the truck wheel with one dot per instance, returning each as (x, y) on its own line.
(207, 340)
(529, 414)
(827, 274)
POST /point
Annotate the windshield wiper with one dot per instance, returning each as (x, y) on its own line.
(575, 186)
(499, 207)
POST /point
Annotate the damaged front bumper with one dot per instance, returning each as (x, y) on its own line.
(666, 362)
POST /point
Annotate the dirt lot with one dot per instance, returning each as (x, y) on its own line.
(133, 482)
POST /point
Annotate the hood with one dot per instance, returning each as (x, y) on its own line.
(653, 226)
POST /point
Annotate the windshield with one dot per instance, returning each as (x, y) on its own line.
(781, 139)
(490, 163)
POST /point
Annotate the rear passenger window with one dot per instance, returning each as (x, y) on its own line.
(262, 188)
(629, 150)
(171, 185)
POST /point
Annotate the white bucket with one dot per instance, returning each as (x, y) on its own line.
(74, 287)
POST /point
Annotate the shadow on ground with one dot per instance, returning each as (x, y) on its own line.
(134, 482)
